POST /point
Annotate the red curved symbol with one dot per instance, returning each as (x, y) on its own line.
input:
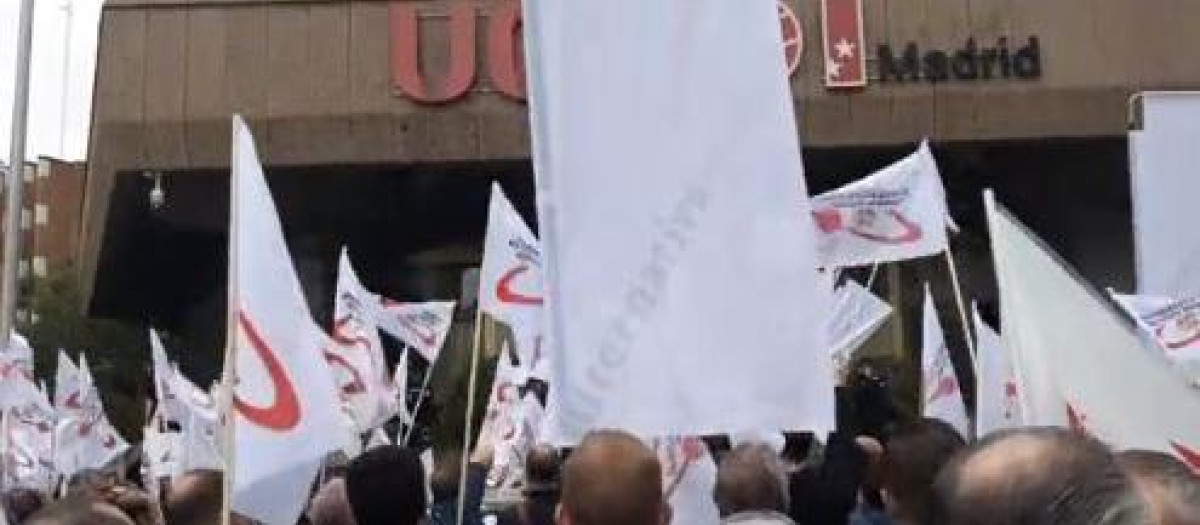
(73, 401)
(946, 386)
(1188, 455)
(829, 220)
(284, 413)
(911, 232)
(110, 442)
(1176, 344)
(355, 386)
(793, 37)
(507, 295)
(340, 336)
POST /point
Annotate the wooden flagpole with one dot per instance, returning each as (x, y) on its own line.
(412, 423)
(471, 385)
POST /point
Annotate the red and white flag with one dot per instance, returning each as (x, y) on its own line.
(897, 213)
(356, 357)
(28, 436)
(507, 418)
(997, 398)
(941, 392)
(674, 222)
(689, 478)
(856, 314)
(421, 326)
(510, 280)
(84, 438)
(16, 358)
(1175, 324)
(285, 402)
(845, 45)
(1079, 361)
(189, 406)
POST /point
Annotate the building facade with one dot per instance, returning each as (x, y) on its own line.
(381, 124)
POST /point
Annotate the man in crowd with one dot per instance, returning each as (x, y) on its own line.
(194, 498)
(912, 458)
(1170, 489)
(541, 491)
(386, 486)
(1036, 476)
(613, 478)
(751, 487)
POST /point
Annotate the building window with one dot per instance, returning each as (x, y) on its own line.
(25, 219)
(41, 214)
(43, 169)
(39, 266)
(23, 269)
(27, 174)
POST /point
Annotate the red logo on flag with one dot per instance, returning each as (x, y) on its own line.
(845, 63)
(284, 412)
(1181, 333)
(869, 224)
(793, 36)
(1189, 456)
(506, 294)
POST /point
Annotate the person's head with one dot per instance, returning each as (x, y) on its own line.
(331, 506)
(21, 503)
(751, 477)
(447, 470)
(542, 469)
(1036, 476)
(79, 510)
(1170, 489)
(911, 460)
(194, 498)
(386, 486)
(613, 478)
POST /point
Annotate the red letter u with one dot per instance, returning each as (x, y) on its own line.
(407, 76)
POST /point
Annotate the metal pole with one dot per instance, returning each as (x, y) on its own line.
(16, 174)
(69, 13)
(466, 449)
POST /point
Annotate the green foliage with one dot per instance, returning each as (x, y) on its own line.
(117, 353)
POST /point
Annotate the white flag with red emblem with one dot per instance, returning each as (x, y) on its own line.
(356, 357)
(941, 393)
(510, 280)
(505, 420)
(675, 222)
(1175, 324)
(895, 214)
(998, 405)
(16, 358)
(856, 314)
(84, 437)
(285, 401)
(189, 406)
(421, 326)
(1081, 362)
(28, 436)
(689, 477)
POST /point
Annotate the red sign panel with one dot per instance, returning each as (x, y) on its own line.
(845, 45)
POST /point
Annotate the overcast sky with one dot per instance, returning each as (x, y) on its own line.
(50, 36)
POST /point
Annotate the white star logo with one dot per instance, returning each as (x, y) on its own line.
(833, 68)
(844, 49)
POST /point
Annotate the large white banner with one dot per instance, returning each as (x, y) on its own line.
(895, 214)
(1081, 363)
(1163, 157)
(285, 402)
(677, 238)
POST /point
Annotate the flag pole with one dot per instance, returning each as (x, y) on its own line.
(962, 314)
(412, 424)
(474, 378)
(16, 173)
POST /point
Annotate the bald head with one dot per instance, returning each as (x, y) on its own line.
(1036, 476)
(194, 498)
(79, 510)
(613, 478)
(1170, 489)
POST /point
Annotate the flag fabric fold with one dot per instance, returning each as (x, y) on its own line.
(421, 326)
(857, 313)
(941, 391)
(1174, 324)
(356, 356)
(997, 397)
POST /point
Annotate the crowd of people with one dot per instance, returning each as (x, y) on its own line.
(922, 473)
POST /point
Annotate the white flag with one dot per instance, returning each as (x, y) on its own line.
(356, 356)
(1175, 324)
(941, 393)
(504, 416)
(379, 438)
(28, 437)
(161, 452)
(400, 389)
(510, 280)
(677, 236)
(998, 405)
(689, 478)
(286, 403)
(17, 358)
(1079, 361)
(856, 314)
(422, 326)
(895, 214)
(84, 437)
(189, 406)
